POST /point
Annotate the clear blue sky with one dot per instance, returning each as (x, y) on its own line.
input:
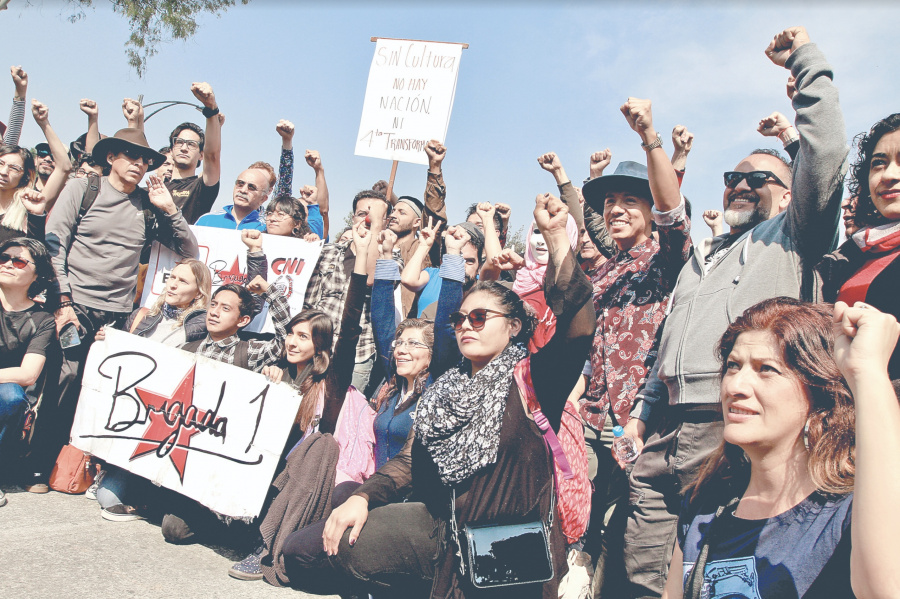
(536, 78)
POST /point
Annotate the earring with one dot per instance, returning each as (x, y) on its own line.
(806, 434)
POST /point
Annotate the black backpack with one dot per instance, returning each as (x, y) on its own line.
(91, 193)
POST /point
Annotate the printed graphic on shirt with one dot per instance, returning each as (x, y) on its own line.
(728, 579)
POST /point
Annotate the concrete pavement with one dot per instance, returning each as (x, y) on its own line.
(58, 546)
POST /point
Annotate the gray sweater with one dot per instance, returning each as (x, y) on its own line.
(98, 265)
(773, 259)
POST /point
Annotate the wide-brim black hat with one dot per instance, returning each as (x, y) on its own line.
(629, 177)
(132, 139)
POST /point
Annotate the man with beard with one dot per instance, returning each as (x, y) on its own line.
(44, 165)
(782, 223)
(191, 146)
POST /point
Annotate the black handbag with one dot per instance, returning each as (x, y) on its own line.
(499, 555)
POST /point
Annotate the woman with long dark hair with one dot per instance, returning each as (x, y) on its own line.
(798, 501)
(27, 330)
(475, 456)
(865, 268)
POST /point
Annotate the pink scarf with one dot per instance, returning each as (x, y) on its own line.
(531, 277)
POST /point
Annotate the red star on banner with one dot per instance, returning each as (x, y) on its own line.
(168, 433)
(233, 275)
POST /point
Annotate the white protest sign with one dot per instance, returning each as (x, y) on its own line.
(208, 430)
(291, 263)
(409, 98)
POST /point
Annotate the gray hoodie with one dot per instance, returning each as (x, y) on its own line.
(773, 259)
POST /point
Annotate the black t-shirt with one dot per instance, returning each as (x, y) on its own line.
(30, 331)
(804, 552)
(193, 196)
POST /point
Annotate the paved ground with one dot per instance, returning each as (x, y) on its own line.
(57, 546)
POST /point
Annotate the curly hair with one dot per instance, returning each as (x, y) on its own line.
(867, 215)
(804, 335)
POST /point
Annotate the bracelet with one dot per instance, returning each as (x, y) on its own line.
(210, 112)
(787, 138)
(657, 143)
(66, 304)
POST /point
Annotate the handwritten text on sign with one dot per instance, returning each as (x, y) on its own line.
(409, 98)
(291, 263)
(208, 430)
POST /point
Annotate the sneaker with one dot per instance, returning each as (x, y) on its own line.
(250, 568)
(120, 513)
(91, 492)
(577, 583)
(37, 483)
(2, 498)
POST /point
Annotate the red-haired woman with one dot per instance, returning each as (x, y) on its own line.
(799, 499)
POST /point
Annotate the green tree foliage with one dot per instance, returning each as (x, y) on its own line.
(155, 21)
(516, 241)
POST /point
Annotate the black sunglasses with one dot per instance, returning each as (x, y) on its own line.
(476, 318)
(755, 179)
(19, 263)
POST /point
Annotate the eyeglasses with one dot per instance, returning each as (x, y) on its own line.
(476, 318)
(83, 172)
(12, 167)
(19, 263)
(192, 144)
(410, 344)
(755, 179)
(277, 215)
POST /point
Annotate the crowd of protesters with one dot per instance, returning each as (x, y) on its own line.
(754, 373)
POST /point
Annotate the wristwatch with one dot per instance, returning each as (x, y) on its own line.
(657, 143)
(210, 112)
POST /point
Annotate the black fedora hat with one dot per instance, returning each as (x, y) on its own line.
(127, 139)
(629, 176)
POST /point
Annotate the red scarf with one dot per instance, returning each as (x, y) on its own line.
(882, 245)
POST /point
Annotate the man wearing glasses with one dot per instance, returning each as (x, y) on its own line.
(191, 146)
(251, 189)
(782, 223)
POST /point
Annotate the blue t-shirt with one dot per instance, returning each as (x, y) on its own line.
(432, 290)
(391, 429)
(804, 552)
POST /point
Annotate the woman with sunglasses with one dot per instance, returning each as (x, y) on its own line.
(474, 444)
(866, 268)
(799, 500)
(22, 208)
(27, 330)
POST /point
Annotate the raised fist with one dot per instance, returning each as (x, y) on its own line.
(34, 201)
(454, 239)
(386, 241)
(682, 139)
(252, 239)
(285, 129)
(599, 161)
(89, 107)
(309, 195)
(485, 211)
(204, 93)
(40, 112)
(639, 115)
(436, 153)
(313, 159)
(550, 214)
(20, 79)
(549, 162)
(786, 43)
(258, 285)
(773, 125)
(509, 260)
(504, 211)
(133, 111)
(713, 218)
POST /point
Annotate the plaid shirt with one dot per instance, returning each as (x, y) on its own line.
(327, 289)
(260, 353)
(631, 295)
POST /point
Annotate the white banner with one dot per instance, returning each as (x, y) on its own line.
(291, 263)
(208, 430)
(409, 98)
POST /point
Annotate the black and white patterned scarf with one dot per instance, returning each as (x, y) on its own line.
(458, 418)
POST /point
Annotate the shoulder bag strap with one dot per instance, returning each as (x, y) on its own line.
(138, 318)
(87, 200)
(694, 584)
(242, 354)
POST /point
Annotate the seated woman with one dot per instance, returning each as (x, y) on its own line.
(809, 454)
(865, 268)
(474, 446)
(27, 330)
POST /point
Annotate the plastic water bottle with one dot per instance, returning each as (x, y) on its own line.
(624, 445)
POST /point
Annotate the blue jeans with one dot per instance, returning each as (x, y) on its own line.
(13, 403)
(113, 487)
